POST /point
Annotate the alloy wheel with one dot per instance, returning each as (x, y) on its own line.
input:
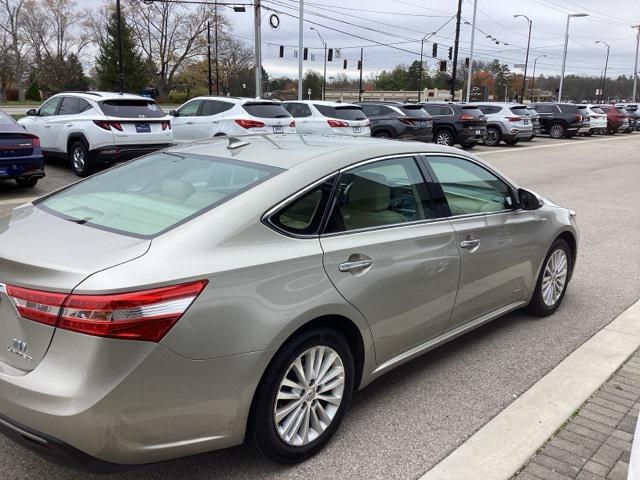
(309, 396)
(79, 159)
(555, 277)
(491, 137)
(556, 131)
(443, 138)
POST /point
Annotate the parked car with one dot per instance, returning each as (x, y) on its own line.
(20, 153)
(598, 119)
(631, 121)
(246, 287)
(559, 120)
(617, 119)
(507, 122)
(634, 114)
(94, 129)
(329, 118)
(398, 120)
(207, 117)
(535, 121)
(456, 123)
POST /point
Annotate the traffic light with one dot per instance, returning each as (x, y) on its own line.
(281, 54)
(359, 64)
(344, 64)
(443, 65)
(434, 50)
(330, 55)
(305, 53)
(466, 62)
(450, 53)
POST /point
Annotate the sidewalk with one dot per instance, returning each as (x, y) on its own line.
(595, 443)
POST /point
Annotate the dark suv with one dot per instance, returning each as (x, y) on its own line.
(456, 123)
(559, 120)
(398, 120)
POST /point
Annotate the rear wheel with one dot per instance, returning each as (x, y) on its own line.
(303, 396)
(26, 182)
(553, 280)
(557, 130)
(381, 134)
(443, 137)
(79, 158)
(492, 137)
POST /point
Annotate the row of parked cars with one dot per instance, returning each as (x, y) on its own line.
(95, 129)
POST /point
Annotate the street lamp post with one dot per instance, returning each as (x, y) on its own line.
(324, 74)
(473, 36)
(635, 65)
(526, 61)
(564, 55)
(420, 72)
(606, 64)
(533, 77)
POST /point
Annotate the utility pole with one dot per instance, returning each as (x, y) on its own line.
(361, 68)
(257, 15)
(120, 66)
(606, 64)
(215, 13)
(455, 51)
(324, 73)
(209, 56)
(564, 55)
(635, 65)
(533, 77)
(473, 36)
(526, 61)
(300, 47)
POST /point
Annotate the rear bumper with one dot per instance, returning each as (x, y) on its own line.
(120, 153)
(125, 402)
(21, 167)
(470, 135)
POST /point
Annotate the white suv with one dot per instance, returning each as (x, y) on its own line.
(206, 117)
(331, 118)
(98, 128)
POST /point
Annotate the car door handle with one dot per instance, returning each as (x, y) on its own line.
(355, 265)
(469, 244)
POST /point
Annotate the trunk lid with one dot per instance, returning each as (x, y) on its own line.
(56, 263)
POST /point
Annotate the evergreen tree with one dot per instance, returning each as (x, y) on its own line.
(136, 71)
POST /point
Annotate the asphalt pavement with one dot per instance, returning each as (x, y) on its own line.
(408, 420)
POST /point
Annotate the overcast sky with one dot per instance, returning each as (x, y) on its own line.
(348, 25)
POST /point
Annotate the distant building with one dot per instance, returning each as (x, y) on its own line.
(428, 94)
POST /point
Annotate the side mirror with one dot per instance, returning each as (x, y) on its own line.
(173, 113)
(529, 200)
(32, 112)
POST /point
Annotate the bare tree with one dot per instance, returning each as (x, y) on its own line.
(12, 24)
(170, 35)
(5, 67)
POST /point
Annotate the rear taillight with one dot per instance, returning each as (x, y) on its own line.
(337, 123)
(41, 307)
(464, 117)
(292, 124)
(35, 141)
(165, 125)
(142, 315)
(514, 119)
(108, 124)
(407, 121)
(250, 123)
(367, 124)
(578, 117)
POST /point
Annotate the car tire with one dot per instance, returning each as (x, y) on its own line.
(267, 431)
(79, 159)
(512, 141)
(28, 182)
(443, 137)
(492, 137)
(382, 134)
(548, 294)
(468, 145)
(557, 131)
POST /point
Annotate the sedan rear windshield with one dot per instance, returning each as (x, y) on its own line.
(348, 112)
(415, 111)
(131, 109)
(266, 110)
(146, 197)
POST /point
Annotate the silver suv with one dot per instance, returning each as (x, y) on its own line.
(508, 122)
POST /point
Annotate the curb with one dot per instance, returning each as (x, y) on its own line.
(500, 448)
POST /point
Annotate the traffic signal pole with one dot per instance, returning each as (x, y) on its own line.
(455, 51)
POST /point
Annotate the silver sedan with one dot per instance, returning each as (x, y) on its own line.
(244, 288)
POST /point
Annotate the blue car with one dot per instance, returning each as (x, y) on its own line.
(20, 153)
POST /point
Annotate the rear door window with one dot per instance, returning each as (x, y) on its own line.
(73, 105)
(415, 111)
(126, 108)
(489, 109)
(266, 110)
(146, 197)
(568, 108)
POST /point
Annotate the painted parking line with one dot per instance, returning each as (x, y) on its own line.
(19, 200)
(552, 145)
(506, 442)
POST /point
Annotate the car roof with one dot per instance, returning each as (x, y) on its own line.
(322, 102)
(100, 96)
(289, 150)
(235, 100)
(501, 104)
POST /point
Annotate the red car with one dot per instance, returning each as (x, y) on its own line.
(617, 119)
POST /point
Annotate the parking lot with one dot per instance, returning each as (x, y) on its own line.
(406, 421)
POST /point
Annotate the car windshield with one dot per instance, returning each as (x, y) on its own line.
(6, 119)
(266, 110)
(131, 108)
(146, 197)
(414, 111)
(350, 112)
